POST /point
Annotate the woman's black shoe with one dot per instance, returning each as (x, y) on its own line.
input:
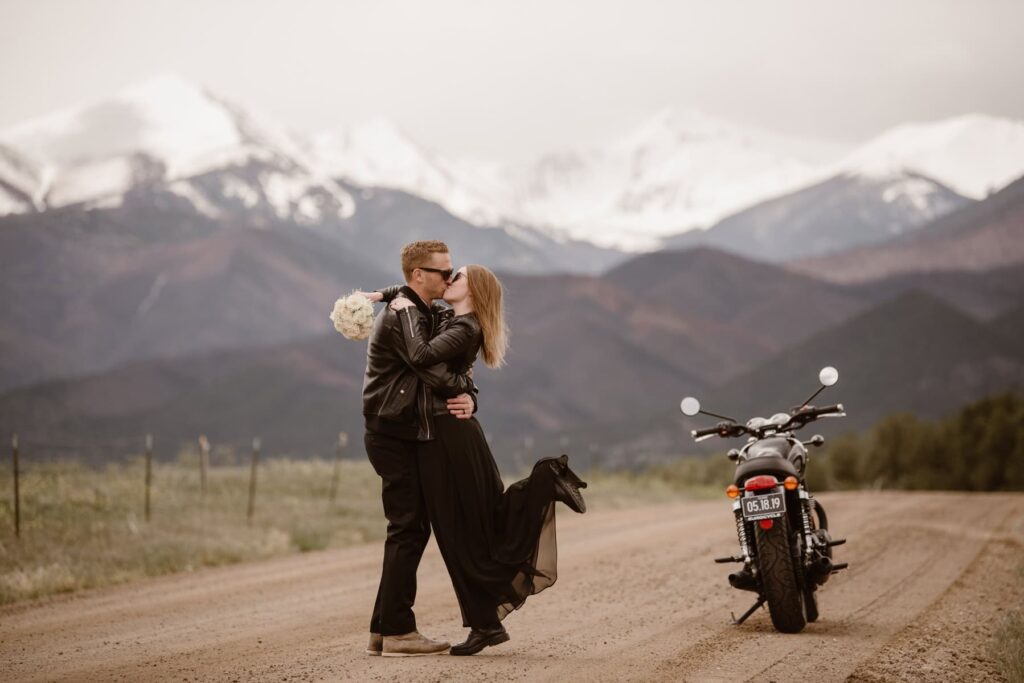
(478, 639)
(568, 485)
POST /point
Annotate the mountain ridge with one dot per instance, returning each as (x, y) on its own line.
(955, 360)
(592, 359)
(835, 215)
(980, 236)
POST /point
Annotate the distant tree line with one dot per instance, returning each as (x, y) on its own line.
(979, 448)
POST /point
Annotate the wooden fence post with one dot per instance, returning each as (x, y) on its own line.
(252, 478)
(336, 479)
(149, 470)
(204, 462)
(17, 492)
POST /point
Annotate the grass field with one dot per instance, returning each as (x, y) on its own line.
(84, 527)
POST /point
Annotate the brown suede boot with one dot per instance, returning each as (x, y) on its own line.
(413, 645)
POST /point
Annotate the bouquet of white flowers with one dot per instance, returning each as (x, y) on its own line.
(353, 316)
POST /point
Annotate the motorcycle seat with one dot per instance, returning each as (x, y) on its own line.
(765, 464)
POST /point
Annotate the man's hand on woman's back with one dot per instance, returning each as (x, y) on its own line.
(461, 406)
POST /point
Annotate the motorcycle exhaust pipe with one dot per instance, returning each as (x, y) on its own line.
(820, 568)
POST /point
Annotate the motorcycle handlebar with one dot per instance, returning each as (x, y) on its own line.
(720, 429)
(700, 433)
(827, 410)
(799, 419)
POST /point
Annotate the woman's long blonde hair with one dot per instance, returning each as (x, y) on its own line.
(486, 291)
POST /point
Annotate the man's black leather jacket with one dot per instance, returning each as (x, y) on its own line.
(395, 393)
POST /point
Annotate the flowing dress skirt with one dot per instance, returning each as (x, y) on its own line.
(499, 545)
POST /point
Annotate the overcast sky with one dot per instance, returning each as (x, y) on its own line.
(508, 80)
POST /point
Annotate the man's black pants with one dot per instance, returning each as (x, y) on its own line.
(408, 532)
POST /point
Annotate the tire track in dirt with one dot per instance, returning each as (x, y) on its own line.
(951, 644)
(638, 598)
(914, 563)
(702, 639)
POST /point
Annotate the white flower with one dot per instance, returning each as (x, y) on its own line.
(353, 316)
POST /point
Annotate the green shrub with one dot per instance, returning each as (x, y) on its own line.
(979, 448)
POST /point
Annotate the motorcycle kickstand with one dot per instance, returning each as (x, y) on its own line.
(736, 622)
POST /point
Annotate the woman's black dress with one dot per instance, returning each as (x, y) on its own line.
(499, 545)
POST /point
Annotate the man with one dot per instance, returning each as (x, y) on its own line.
(393, 397)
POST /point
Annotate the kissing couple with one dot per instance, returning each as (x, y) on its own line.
(435, 466)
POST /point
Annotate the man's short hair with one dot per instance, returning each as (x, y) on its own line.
(417, 254)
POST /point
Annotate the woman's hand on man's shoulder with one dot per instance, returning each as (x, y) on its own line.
(400, 302)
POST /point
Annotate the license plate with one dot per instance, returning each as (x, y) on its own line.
(765, 506)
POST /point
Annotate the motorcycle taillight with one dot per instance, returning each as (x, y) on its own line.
(762, 481)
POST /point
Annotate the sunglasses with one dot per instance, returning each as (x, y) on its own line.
(446, 273)
(457, 276)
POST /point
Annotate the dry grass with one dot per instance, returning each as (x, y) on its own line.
(1009, 643)
(83, 527)
(1009, 648)
(686, 478)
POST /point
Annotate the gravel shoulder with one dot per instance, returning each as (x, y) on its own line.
(638, 598)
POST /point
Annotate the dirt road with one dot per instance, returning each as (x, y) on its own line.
(638, 598)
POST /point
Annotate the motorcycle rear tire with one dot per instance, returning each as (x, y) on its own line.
(779, 577)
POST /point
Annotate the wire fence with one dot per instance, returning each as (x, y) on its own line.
(76, 516)
(37, 462)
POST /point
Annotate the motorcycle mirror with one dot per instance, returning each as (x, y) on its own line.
(827, 376)
(690, 406)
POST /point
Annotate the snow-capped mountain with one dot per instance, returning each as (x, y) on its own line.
(677, 171)
(973, 154)
(893, 185)
(379, 154)
(169, 131)
(986, 235)
(682, 170)
(842, 212)
(170, 135)
(166, 118)
(169, 153)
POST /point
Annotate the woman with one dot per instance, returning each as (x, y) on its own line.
(499, 546)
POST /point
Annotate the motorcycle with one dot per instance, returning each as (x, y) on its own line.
(784, 541)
